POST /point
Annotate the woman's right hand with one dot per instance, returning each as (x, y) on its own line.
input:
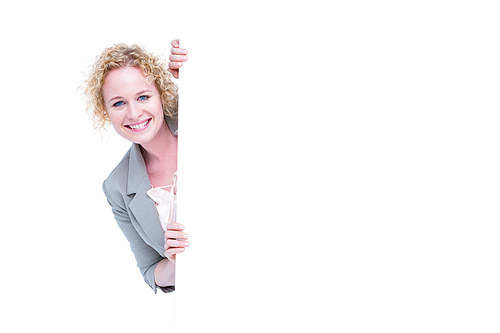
(175, 240)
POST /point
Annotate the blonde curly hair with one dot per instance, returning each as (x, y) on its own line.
(121, 55)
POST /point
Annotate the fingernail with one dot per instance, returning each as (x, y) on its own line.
(187, 244)
(184, 58)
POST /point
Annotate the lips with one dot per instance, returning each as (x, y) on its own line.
(138, 126)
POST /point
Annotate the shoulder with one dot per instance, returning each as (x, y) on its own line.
(115, 185)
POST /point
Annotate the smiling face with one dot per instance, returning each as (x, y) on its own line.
(133, 105)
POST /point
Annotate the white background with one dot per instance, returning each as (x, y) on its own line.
(338, 168)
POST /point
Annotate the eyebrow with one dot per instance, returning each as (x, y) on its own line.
(116, 97)
(143, 91)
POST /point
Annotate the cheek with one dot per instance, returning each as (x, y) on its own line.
(115, 119)
(159, 110)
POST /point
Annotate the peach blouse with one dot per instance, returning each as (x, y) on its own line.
(166, 202)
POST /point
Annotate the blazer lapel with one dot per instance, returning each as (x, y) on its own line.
(141, 206)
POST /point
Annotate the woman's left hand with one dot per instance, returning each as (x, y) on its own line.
(175, 240)
(177, 58)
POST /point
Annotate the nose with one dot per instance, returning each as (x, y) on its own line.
(134, 111)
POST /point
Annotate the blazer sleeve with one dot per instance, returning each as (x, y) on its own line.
(147, 258)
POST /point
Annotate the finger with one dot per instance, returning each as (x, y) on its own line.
(176, 235)
(178, 58)
(175, 226)
(173, 250)
(175, 65)
(170, 234)
(176, 243)
(175, 43)
(178, 51)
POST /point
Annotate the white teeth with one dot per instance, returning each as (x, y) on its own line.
(139, 126)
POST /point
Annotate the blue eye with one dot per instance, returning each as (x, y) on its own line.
(143, 98)
(118, 103)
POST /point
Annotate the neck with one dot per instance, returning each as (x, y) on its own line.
(164, 146)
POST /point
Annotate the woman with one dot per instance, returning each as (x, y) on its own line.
(132, 89)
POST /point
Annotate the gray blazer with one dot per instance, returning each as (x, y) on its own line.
(136, 214)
